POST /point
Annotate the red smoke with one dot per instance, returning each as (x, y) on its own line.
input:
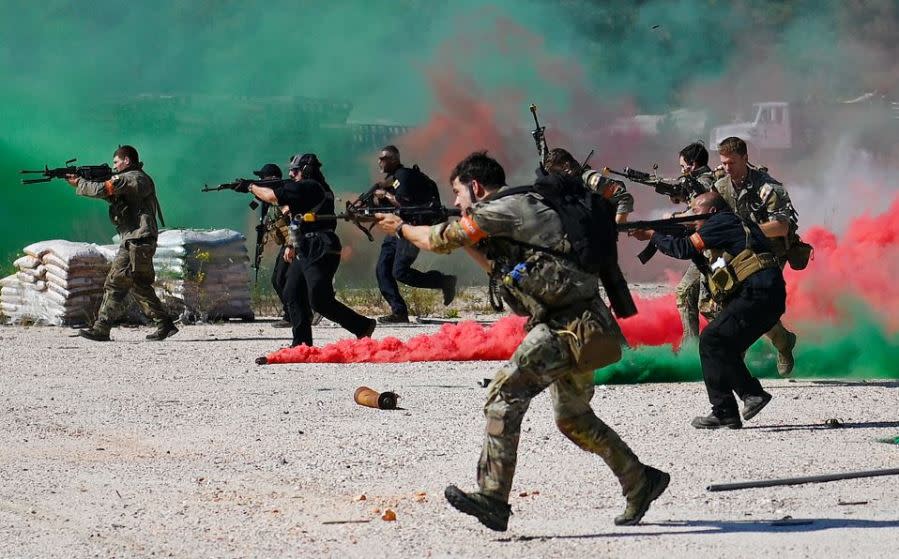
(466, 341)
(864, 264)
(657, 323)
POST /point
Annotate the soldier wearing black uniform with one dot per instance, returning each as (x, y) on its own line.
(406, 187)
(276, 227)
(745, 278)
(313, 251)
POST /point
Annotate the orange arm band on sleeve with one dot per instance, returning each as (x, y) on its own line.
(110, 189)
(472, 231)
(697, 242)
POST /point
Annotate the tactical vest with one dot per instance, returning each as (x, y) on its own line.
(727, 273)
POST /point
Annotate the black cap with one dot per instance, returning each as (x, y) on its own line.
(300, 161)
(268, 170)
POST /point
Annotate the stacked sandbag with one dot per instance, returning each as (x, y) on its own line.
(56, 282)
(206, 273)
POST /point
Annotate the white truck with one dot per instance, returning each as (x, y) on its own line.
(871, 121)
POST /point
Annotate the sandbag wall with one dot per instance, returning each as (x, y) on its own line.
(204, 274)
(200, 275)
(56, 282)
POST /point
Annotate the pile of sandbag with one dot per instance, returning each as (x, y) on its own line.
(56, 282)
(204, 274)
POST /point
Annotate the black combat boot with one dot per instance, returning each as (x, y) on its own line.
(713, 421)
(94, 333)
(372, 324)
(654, 484)
(394, 318)
(752, 405)
(492, 513)
(449, 290)
(164, 330)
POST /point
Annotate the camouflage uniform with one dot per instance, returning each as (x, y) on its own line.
(133, 209)
(613, 191)
(687, 292)
(761, 199)
(563, 307)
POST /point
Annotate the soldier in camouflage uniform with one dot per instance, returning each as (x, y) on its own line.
(561, 162)
(694, 164)
(133, 209)
(567, 321)
(755, 196)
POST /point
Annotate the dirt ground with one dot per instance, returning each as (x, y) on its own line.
(186, 448)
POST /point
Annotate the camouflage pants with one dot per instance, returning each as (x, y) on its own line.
(544, 359)
(687, 297)
(131, 271)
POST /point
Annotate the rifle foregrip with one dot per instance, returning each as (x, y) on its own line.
(647, 253)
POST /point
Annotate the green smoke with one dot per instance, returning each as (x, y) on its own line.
(858, 348)
(209, 90)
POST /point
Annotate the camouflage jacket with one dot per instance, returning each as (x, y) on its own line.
(533, 282)
(612, 190)
(705, 178)
(133, 206)
(761, 199)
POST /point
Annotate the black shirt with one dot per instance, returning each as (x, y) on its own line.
(308, 196)
(413, 188)
(723, 231)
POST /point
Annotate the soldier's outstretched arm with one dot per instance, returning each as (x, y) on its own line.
(264, 194)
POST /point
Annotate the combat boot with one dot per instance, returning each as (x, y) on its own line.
(654, 484)
(785, 361)
(713, 421)
(166, 328)
(492, 513)
(449, 290)
(752, 405)
(394, 318)
(94, 333)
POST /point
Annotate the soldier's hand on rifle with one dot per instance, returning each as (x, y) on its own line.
(641, 234)
(289, 253)
(388, 223)
(380, 193)
(72, 179)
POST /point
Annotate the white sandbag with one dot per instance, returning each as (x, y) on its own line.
(66, 250)
(213, 237)
(37, 286)
(75, 291)
(25, 278)
(64, 275)
(74, 283)
(72, 303)
(12, 290)
(75, 265)
(12, 299)
(26, 261)
(10, 281)
(35, 273)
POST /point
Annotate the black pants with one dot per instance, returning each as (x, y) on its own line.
(310, 286)
(395, 264)
(279, 280)
(721, 345)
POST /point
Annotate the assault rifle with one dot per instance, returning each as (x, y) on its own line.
(357, 215)
(682, 188)
(539, 134)
(243, 185)
(671, 226)
(262, 228)
(97, 173)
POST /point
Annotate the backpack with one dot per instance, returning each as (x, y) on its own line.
(426, 184)
(588, 221)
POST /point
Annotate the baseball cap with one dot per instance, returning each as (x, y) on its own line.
(299, 161)
(268, 170)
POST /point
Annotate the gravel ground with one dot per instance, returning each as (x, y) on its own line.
(187, 449)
